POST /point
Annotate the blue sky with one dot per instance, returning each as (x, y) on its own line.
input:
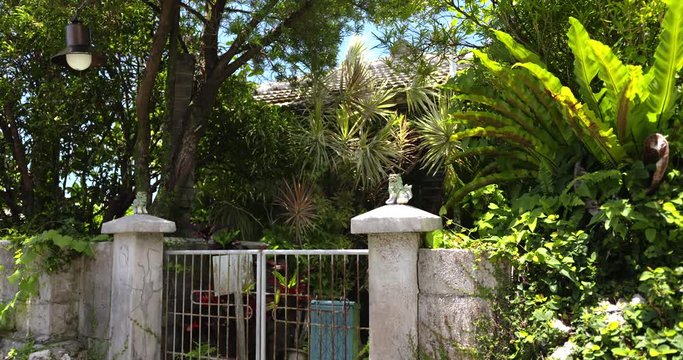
(371, 43)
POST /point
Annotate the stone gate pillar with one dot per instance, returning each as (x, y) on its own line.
(137, 283)
(394, 237)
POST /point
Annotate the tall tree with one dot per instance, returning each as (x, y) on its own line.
(168, 13)
(220, 38)
(67, 138)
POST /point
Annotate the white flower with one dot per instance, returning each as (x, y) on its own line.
(614, 317)
(563, 352)
(637, 299)
(560, 326)
(612, 308)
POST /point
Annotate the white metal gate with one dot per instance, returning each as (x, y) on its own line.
(265, 304)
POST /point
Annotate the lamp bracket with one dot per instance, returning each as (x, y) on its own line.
(78, 11)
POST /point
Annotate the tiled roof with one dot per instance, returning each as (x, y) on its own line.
(284, 93)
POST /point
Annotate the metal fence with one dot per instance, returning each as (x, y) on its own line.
(265, 304)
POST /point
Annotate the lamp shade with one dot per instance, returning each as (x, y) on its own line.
(79, 53)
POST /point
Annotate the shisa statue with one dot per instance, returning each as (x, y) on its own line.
(140, 203)
(398, 193)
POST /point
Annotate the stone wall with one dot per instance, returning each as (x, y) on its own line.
(455, 288)
(52, 315)
(95, 302)
(70, 313)
(7, 290)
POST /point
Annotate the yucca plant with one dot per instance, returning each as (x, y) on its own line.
(354, 132)
(540, 128)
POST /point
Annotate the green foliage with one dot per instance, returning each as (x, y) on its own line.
(21, 353)
(541, 24)
(668, 61)
(71, 156)
(248, 150)
(436, 130)
(47, 252)
(286, 37)
(343, 140)
(530, 111)
(311, 220)
(648, 326)
(441, 239)
(516, 50)
(200, 351)
(299, 209)
(454, 27)
(67, 139)
(600, 285)
(355, 134)
(347, 138)
(595, 251)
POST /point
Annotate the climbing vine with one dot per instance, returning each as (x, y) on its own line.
(44, 253)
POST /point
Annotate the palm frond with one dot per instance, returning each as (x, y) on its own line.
(375, 154)
(494, 152)
(420, 96)
(353, 132)
(230, 214)
(628, 99)
(435, 131)
(403, 138)
(318, 143)
(510, 134)
(376, 104)
(509, 115)
(547, 112)
(505, 83)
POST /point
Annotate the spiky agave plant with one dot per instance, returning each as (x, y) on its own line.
(297, 201)
(544, 127)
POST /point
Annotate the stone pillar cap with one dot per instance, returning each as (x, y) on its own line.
(395, 219)
(138, 223)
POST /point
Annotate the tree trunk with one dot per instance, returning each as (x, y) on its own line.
(8, 126)
(175, 198)
(187, 128)
(180, 87)
(143, 98)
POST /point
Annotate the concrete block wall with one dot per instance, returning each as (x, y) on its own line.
(71, 308)
(7, 290)
(95, 304)
(53, 313)
(455, 288)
